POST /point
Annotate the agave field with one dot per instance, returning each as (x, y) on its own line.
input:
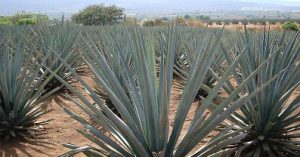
(129, 91)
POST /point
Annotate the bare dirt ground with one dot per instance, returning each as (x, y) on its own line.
(59, 131)
(62, 129)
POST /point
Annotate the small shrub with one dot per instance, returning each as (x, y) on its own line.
(27, 21)
(5, 21)
(210, 23)
(235, 22)
(290, 26)
(181, 21)
(195, 23)
(148, 23)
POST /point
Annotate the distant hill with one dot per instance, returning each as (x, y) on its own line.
(59, 7)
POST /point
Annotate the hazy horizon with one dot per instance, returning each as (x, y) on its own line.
(8, 7)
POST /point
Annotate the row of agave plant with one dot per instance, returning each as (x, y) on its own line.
(26, 85)
(134, 69)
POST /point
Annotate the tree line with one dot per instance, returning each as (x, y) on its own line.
(100, 14)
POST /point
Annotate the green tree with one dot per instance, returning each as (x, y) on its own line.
(180, 20)
(203, 17)
(22, 18)
(290, 26)
(27, 21)
(5, 21)
(98, 15)
(27, 18)
(187, 17)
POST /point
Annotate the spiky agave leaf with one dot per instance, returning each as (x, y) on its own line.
(10, 35)
(273, 117)
(21, 87)
(110, 40)
(63, 39)
(191, 42)
(143, 129)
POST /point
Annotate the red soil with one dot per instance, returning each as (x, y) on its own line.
(62, 129)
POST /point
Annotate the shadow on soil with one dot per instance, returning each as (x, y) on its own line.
(15, 147)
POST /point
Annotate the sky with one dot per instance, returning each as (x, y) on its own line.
(49, 6)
